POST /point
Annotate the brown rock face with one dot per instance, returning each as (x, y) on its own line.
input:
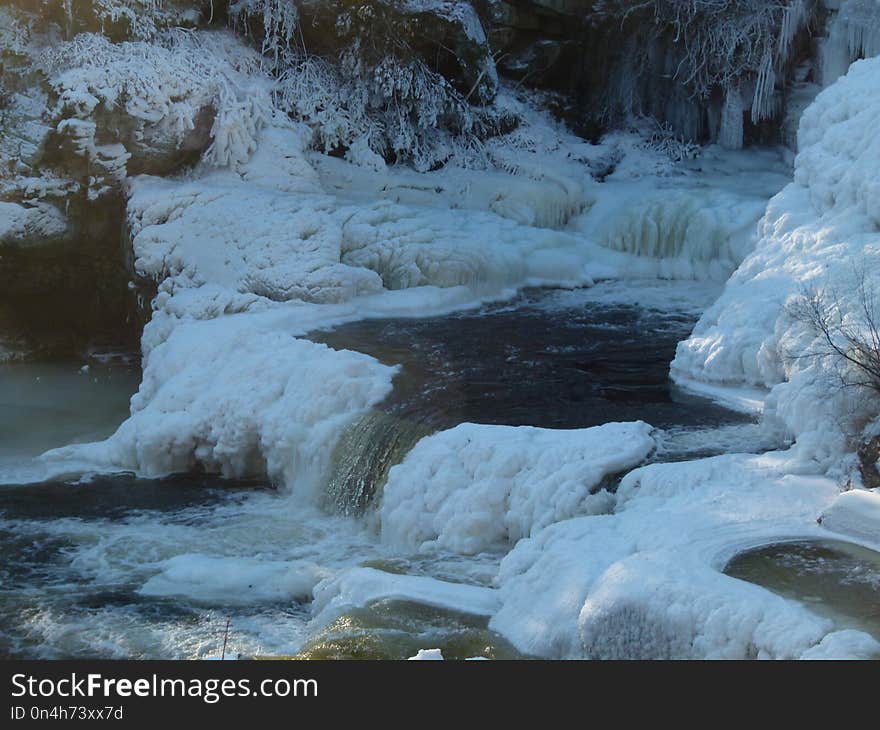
(869, 455)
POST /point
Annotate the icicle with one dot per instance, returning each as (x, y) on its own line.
(853, 33)
(765, 86)
(730, 134)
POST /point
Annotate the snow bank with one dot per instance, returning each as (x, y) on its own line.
(477, 487)
(646, 581)
(855, 513)
(820, 231)
(359, 587)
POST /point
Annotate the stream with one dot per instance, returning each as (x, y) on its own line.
(118, 566)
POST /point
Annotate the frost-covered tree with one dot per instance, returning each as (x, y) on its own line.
(380, 80)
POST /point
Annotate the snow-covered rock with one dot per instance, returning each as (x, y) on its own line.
(477, 487)
(359, 587)
(30, 226)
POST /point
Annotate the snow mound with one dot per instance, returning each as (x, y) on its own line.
(855, 513)
(235, 396)
(477, 487)
(846, 644)
(646, 581)
(819, 232)
(427, 655)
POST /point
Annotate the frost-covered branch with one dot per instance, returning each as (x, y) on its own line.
(848, 337)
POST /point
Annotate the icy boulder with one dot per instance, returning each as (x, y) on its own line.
(476, 487)
(239, 396)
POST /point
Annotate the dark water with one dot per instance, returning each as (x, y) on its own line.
(569, 363)
(834, 578)
(45, 529)
(565, 359)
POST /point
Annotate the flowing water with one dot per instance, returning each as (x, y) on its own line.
(558, 359)
(120, 566)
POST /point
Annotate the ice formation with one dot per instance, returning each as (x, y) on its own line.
(853, 32)
(478, 487)
(427, 655)
(645, 581)
(819, 232)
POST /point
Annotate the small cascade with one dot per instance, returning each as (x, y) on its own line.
(365, 453)
(799, 96)
(681, 230)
